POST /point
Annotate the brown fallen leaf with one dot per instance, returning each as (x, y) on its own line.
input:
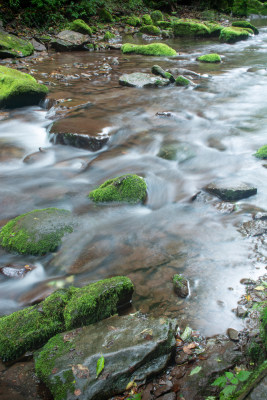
(188, 348)
(80, 371)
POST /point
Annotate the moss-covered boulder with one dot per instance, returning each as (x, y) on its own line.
(12, 46)
(147, 20)
(18, 89)
(245, 24)
(190, 28)
(157, 70)
(108, 35)
(180, 285)
(150, 30)
(156, 16)
(105, 15)
(182, 81)
(153, 49)
(28, 329)
(126, 188)
(164, 24)
(37, 232)
(262, 152)
(233, 34)
(209, 58)
(80, 26)
(133, 20)
(215, 29)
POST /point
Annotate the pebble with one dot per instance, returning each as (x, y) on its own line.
(241, 312)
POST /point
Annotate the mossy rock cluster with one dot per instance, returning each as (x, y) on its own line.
(157, 70)
(80, 26)
(210, 58)
(182, 81)
(156, 16)
(12, 46)
(262, 153)
(153, 49)
(126, 188)
(147, 20)
(37, 232)
(234, 34)
(150, 30)
(189, 28)
(28, 329)
(245, 24)
(133, 21)
(18, 89)
(108, 35)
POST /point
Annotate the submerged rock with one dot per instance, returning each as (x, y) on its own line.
(126, 188)
(153, 49)
(231, 192)
(181, 285)
(18, 89)
(16, 271)
(28, 329)
(182, 81)
(139, 79)
(12, 46)
(69, 41)
(133, 348)
(37, 232)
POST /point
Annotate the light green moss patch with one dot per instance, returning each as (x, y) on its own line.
(150, 30)
(133, 21)
(37, 232)
(182, 81)
(108, 35)
(215, 29)
(156, 16)
(245, 24)
(262, 153)
(18, 89)
(147, 20)
(80, 26)
(12, 46)
(126, 188)
(164, 24)
(210, 58)
(233, 34)
(190, 28)
(157, 70)
(153, 49)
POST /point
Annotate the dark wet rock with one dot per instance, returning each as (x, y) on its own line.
(16, 271)
(12, 46)
(254, 228)
(37, 45)
(139, 79)
(133, 347)
(247, 281)
(176, 151)
(231, 192)
(157, 70)
(69, 41)
(78, 140)
(241, 312)
(233, 334)
(181, 285)
(27, 329)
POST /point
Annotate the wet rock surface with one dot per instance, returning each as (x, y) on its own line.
(139, 80)
(70, 41)
(231, 192)
(16, 271)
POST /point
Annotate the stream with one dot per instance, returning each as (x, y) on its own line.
(219, 126)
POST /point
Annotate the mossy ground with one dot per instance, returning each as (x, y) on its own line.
(262, 153)
(19, 89)
(108, 35)
(78, 25)
(210, 58)
(133, 20)
(153, 49)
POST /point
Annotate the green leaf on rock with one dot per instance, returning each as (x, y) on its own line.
(186, 334)
(229, 375)
(228, 390)
(100, 365)
(221, 381)
(195, 371)
(242, 376)
(136, 396)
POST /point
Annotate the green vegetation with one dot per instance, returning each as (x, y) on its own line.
(12, 46)
(190, 28)
(147, 20)
(156, 16)
(30, 328)
(133, 21)
(80, 26)
(153, 49)
(157, 70)
(245, 24)
(126, 188)
(243, 8)
(168, 152)
(182, 81)
(150, 30)
(233, 34)
(164, 24)
(230, 382)
(209, 58)
(108, 35)
(105, 15)
(37, 232)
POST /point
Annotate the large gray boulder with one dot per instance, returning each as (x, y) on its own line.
(133, 347)
(140, 80)
(229, 191)
(70, 40)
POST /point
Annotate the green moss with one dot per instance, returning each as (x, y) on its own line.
(147, 20)
(18, 89)
(80, 26)
(215, 29)
(37, 232)
(105, 16)
(233, 34)
(245, 24)
(12, 46)
(133, 20)
(190, 28)
(156, 16)
(182, 81)
(157, 70)
(108, 35)
(255, 352)
(210, 58)
(243, 8)
(153, 49)
(150, 30)
(164, 24)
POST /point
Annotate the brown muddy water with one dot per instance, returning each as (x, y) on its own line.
(219, 125)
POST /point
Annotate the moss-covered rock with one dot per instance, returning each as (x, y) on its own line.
(233, 34)
(262, 153)
(245, 24)
(80, 26)
(157, 70)
(180, 285)
(105, 15)
(30, 328)
(37, 232)
(164, 24)
(209, 58)
(153, 49)
(190, 28)
(133, 20)
(126, 188)
(182, 81)
(156, 16)
(12, 46)
(108, 35)
(147, 20)
(150, 30)
(215, 29)
(18, 89)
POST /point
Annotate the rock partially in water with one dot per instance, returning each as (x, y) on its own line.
(37, 45)
(16, 271)
(12, 46)
(181, 285)
(133, 347)
(27, 329)
(70, 41)
(37, 232)
(209, 58)
(91, 143)
(234, 34)
(254, 228)
(153, 49)
(140, 79)
(262, 153)
(231, 192)
(157, 70)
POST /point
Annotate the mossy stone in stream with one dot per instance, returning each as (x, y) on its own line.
(156, 16)
(180, 285)
(37, 232)
(262, 153)
(209, 58)
(190, 28)
(18, 89)
(157, 70)
(28, 329)
(133, 21)
(108, 35)
(147, 20)
(182, 81)
(150, 30)
(233, 34)
(12, 46)
(215, 29)
(153, 49)
(246, 24)
(126, 188)
(78, 25)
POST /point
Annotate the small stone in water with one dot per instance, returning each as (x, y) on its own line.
(16, 271)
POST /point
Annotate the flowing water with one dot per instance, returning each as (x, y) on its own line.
(219, 126)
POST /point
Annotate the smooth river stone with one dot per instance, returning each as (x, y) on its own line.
(140, 80)
(231, 192)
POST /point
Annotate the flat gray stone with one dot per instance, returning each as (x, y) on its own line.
(139, 79)
(69, 41)
(231, 192)
(133, 347)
